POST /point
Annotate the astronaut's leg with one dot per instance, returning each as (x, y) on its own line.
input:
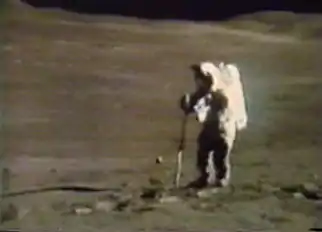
(202, 162)
(222, 163)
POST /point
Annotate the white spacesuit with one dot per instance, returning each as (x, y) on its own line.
(219, 105)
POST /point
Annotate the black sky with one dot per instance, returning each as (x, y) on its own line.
(179, 9)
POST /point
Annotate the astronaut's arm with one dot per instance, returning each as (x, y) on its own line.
(186, 104)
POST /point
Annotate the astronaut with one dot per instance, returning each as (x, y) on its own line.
(213, 104)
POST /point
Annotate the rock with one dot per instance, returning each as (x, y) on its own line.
(122, 202)
(125, 196)
(155, 182)
(207, 192)
(310, 187)
(159, 160)
(169, 199)
(269, 188)
(123, 205)
(311, 191)
(298, 195)
(113, 196)
(83, 210)
(116, 196)
(9, 212)
(290, 189)
(142, 209)
(105, 206)
(151, 193)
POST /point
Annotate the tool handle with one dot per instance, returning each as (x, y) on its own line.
(179, 169)
(181, 148)
(182, 143)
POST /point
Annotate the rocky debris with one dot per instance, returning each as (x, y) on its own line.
(290, 189)
(152, 193)
(156, 183)
(310, 187)
(309, 191)
(118, 202)
(147, 200)
(145, 208)
(169, 199)
(269, 188)
(125, 197)
(135, 205)
(105, 206)
(9, 212)
(205, 193)
(116, 197)
(124, 205)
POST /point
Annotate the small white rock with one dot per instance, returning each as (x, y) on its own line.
(298, 195)
(83, 211)
(105, 206)
(169, 199)
(207, 192)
